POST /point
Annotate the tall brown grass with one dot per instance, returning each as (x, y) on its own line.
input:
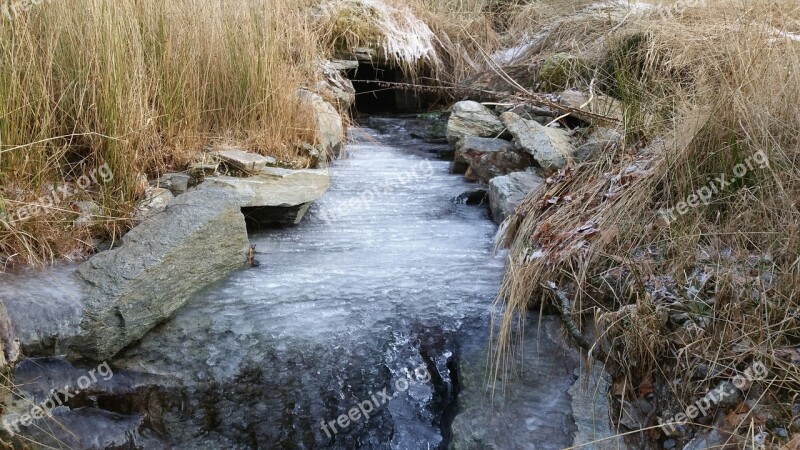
(702, 90)
(140, 85)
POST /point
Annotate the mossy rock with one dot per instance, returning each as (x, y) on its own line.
(561, 71)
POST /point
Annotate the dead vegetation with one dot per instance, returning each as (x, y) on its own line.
(680, 300)
(141, 86)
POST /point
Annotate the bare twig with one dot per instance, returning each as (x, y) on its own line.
(566, 317)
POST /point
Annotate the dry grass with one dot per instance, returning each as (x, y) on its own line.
(145, 86)
(141, 86)
(433, 41)
(702, 93)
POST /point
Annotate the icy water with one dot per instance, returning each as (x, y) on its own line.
(373, 298)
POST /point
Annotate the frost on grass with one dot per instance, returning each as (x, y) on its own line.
(394, 30)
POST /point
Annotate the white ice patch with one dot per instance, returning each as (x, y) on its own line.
(780, 34)
(510, 55)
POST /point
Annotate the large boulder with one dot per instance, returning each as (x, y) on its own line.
(508, 191)
(472, 119)
(196, 241)
(273, 196)
(550, 147)
(486, 158)
(329, 124)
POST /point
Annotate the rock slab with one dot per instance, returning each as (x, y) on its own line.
(329, 124)
(243, 160)
(199, 239)
(550, 147)
(471, 118)
(274, 195)
(591, 411)
(508, 191)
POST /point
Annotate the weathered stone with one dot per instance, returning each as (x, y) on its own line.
(488, 158)
(87, 210)
(329, 125)
(726, 395)
(472, 119)
(508, 191)
(600, 104)
(273, 186)
(550, 147)
(344, 64)
(715, 437)
(590, 410)
(282, 194)
(559, 71)
(532, 402)
(242, 160)
(155, 200)
(177, 183)
(590, 149)
(161, 265)
(336, 85)
(10, 350)
(366, 54)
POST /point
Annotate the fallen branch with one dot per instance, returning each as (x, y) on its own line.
(566, 317)
(535, 99)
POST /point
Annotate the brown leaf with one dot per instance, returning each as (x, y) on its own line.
(646, 387)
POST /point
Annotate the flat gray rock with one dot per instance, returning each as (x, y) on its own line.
(550, 147)
(177, 183)
(329, 124)
(272, 186)
(470, 118)
(243, 160)
(508, 191)
(199, 239)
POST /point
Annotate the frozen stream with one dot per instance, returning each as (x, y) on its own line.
(377, 304)
(385, 276)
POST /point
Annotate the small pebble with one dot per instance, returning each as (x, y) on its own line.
(669, 444)
(782, 433)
